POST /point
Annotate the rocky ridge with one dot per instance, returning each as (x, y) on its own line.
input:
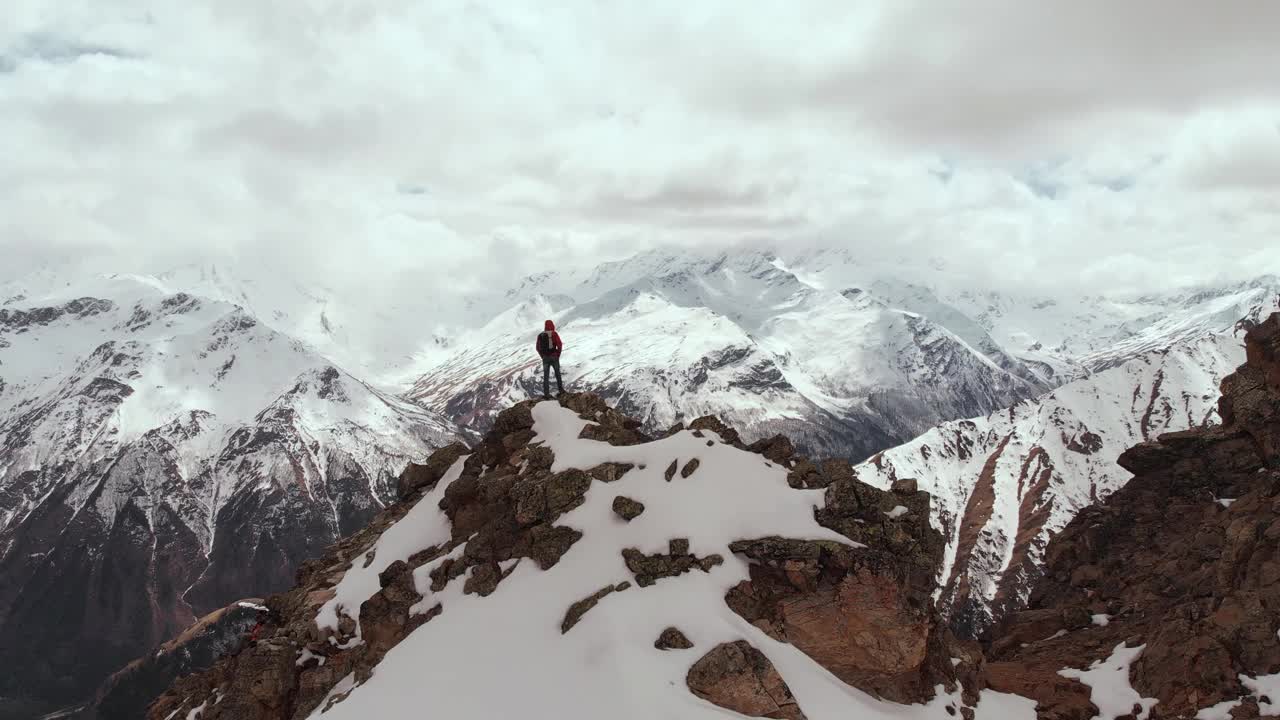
(1175, 580)
(1160, 602)
(503, 503)
(1005, 483)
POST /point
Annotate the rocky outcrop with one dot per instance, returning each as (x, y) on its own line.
(1004, 484)
(672, 639)
(649, 569)
(626, 508)
(861, 609)
(1184, 561)
(738, 677)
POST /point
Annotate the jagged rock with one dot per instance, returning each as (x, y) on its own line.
(648, 569)
(672, 639)
(690, 468)
(867, 515)
(610, 472)
(514, 419)
(716, 425)
(607, 425)
(671, 470)
(905, 486)
(548, 544)
(580, 608)
(417, 478)
(1194, 580)
(738, 677)
(541, 498)
(851, 610)
(483, 580)
(777, 448)
(626, 508)
(128, 692)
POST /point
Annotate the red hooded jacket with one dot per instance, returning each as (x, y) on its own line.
(551, 346)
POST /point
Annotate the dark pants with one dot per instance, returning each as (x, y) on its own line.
(548, 363)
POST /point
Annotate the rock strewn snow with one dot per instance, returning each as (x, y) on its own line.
(606, 666)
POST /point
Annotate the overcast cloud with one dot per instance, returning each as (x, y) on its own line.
(374, 145)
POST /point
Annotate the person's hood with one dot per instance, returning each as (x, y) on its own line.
(549, 326)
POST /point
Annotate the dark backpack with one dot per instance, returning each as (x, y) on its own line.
(544, 343)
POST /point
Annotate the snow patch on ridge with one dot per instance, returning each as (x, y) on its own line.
(1109, 687)
(425, 525)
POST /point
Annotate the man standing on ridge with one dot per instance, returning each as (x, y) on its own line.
(549, 347)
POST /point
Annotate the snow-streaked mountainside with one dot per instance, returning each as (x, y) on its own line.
(1003, 484)
(162, 453)
(741, 337)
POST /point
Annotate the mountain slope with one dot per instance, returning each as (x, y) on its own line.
(1178, 571)
(1006, 482)
(568, 566)
(742, 338)
(160, 455)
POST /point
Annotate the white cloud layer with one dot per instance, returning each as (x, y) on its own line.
(399, 145)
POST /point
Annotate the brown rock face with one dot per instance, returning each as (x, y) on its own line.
(738, 677)
(1184, 559)
(850, 610)
(420, 478)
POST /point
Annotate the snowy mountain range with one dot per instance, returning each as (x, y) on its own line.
(669, 338)
(172, 442)
(1005, 483)
(848, 359)
(161, 453)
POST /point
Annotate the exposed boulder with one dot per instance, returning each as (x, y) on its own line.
(777, 448)
(716, 425)
(418, 478)
(850, 609)
(738, 677)
(690, 468)
(672, 639)
(626, 508)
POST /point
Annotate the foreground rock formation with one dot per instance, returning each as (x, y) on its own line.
(857, 604)
(1184, 561)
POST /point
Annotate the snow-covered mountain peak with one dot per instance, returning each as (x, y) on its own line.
(162, 453)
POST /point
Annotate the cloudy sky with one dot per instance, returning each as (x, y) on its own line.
(1092, 143)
